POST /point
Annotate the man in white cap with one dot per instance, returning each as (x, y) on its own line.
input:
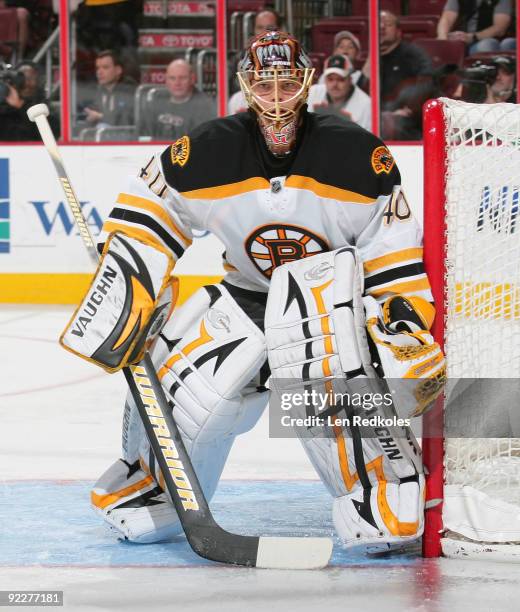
(338, 95)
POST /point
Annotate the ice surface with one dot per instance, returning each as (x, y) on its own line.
(60, 428)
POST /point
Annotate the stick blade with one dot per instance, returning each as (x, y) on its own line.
(293, 553)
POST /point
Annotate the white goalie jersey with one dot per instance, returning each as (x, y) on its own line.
(340, 187)
(337, 191)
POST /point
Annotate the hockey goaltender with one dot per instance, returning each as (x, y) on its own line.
(324, 278)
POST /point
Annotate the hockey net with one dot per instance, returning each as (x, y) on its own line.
(472, 256)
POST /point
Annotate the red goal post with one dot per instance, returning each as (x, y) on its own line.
(434, 153)
(472, 258)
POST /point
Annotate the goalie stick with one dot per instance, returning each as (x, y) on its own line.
(203, 533)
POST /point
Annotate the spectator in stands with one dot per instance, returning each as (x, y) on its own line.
(108, 24)
(22, 18)
(14, 123)
(488, 82)
(475, 82)
(503, 88)
(32, 91)
(182, 108)
(402, 63)
(114, 101)
(480, 24)
(346, 43)
(268, 19)
(338, 95)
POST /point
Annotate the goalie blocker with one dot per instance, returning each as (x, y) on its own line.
(130, 298)
(316, 332)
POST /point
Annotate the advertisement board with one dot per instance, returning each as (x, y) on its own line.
(42, 258)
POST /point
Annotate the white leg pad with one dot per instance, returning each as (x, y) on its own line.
(208, 353)
(214, 360)
(133, 506)
(316, 337)
(379, 519)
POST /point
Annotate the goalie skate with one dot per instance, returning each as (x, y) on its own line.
(133, 505)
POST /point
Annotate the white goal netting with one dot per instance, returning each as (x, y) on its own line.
(482, 335)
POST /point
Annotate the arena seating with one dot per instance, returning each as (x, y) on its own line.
(425, 7)
(443, 51)
(360, 7)
(414, 27)
(323, 32)
(8, 34)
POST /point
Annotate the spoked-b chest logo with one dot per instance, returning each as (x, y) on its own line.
(270, 246)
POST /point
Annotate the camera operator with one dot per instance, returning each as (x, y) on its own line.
(503, 88)
(476, 83)
(14, 123)
(489, 83)
(33, 91)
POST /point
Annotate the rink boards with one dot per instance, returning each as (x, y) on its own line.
(42, 259)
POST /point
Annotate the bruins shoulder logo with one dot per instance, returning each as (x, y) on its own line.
(180, 151)
(270, 246)
(382, 160)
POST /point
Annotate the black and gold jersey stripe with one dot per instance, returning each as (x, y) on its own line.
(144, 215)
(142, 220)
(394, 274)
(333, 155)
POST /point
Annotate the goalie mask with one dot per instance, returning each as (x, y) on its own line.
(275, 75)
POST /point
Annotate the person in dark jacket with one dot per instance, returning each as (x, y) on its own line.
(14, 123)
(114, 101)
(402, 64)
